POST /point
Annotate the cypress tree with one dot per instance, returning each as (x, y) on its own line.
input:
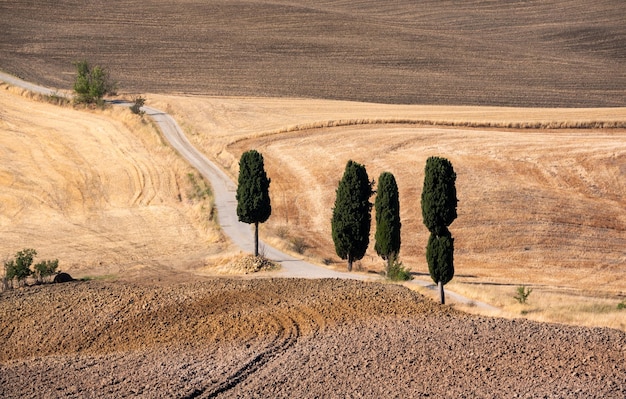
(352, 219)
(439, 203)
(253, 199)
(387, 205)
(440, 257)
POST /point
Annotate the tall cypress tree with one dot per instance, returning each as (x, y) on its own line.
(387, 205)
(439, 203)
(352, 219)
(253, 198)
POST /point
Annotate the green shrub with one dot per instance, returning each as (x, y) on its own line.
(397, 271)
(19, 268)
(621, 305)
(45, 269)
(522, 294)
(91, 84)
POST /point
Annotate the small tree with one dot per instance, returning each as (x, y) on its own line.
(19, 268)
(439, 211)
(253, 199)
(351, 220)
(522, 294)
(91, 84)
(387, 206)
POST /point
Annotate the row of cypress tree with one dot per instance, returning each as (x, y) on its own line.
(351, 219)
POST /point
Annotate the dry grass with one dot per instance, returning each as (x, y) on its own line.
(98, 190)
(547, 304)
(216, 122)
(537, 206)
(548, 53)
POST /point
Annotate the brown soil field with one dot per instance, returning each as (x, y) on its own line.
(538, 207)
(287, 338)
(99, 191)
(521, 53)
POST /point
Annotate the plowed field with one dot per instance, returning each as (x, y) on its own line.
(287, 338)
(519, 53)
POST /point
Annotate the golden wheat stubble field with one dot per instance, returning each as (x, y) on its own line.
(99, 191)
(520, 53)
(538, 207)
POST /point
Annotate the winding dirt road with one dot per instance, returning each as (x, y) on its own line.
(225, 201)
(241, 233)
(224, 190)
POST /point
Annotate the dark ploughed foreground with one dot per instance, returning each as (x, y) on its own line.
(287, 338)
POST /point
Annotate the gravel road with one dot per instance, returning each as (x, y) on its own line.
(224, 191)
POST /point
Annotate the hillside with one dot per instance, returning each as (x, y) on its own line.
(538, 207)
(99, 191)
(556, 53)
(285, 338)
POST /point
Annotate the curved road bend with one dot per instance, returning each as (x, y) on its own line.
(224, 191)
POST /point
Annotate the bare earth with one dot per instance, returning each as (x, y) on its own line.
(287, 338)
(552, 53)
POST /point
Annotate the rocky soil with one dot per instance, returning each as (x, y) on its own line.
(286, 338)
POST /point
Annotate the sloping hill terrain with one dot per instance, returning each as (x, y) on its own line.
(99, 191)
(538, 207)
(284, 339)
(520, 53)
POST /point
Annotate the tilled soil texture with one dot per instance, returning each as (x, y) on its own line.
(287, 338)
(556, 53)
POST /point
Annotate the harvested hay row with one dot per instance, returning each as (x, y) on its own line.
(426, 122)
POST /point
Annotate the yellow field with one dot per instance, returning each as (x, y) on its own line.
(99, 191)
(538, 207)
